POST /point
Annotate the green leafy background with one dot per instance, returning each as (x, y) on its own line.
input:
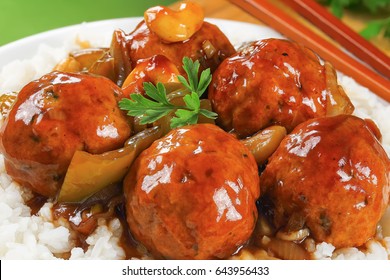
(20, 18)
(378, 8)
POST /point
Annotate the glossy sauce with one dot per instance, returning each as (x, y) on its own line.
(271, 82)
(52, 118)
(191, 173)
(35, 203)
(83, 223)
(142, 43)
(260, 245)
(332, 175)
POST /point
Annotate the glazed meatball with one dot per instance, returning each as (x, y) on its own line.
(191, 195)
(271, 82)
(332, 176)
(208, 45)
(52, 118)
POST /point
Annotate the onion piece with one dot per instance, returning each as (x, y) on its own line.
(265, 142)
(121, 56)
(89, 173)
(6, 101)
(338, 102)
(298, 235)
(283, 249)
(385, 222)
(87, 57)
(209, 49)
(104, 66)
(80, 60)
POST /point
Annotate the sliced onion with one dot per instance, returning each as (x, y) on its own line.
(337, 100)
(298, 235)
(6, 101)
(264, 143)
(122, 63)
(286, 250)
(209, 49)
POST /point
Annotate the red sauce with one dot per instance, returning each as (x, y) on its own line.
(84, 220)
(36, 203)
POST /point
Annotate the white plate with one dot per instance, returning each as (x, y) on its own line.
(101, 31)
(25, 55)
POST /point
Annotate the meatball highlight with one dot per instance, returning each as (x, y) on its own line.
(274, 82)
(192, 194)
(52, 118)
(330, 175)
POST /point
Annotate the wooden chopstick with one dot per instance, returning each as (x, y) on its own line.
(343, 34)
(285, 24)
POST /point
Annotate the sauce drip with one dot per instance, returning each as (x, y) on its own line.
(84, 220)
(36, 203)
(109, 204)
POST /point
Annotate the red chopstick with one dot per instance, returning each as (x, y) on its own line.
(279, 20)
(341, 33)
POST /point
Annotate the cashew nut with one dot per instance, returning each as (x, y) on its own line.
(175, 26)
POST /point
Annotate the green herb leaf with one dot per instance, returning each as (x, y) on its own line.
(192, 101)
(158, 105)
(374, 28)
(337, 8)
(157, 92)
(150, 110)
(387, 31)
(184, 117)
(208, 114)
(195, 84)
(205, 80)
(192, 69)
(375, 7)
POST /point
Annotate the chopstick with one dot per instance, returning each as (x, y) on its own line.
(279, 20)
(341, 33)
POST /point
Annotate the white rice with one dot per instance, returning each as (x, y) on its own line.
(23, 236)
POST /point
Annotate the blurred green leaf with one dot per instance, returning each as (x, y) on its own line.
(374, 28)
(375, 5)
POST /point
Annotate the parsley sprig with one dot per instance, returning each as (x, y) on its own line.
(157, 105)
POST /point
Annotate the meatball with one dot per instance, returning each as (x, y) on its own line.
(52, 118)
(191, 195)
(332, 176)
(271, 82)
(208, 45)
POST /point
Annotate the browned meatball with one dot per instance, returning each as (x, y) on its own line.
(331, 175)
(192, 194)
(51, 119)
(142, 43)
(274, 81)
